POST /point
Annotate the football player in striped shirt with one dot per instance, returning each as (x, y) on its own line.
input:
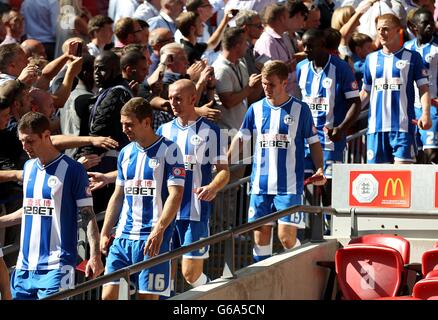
(280, 125)
(203, 147)
(330, 90)
(55, 188)
(147, 196)
(426, 44)
(388, 86)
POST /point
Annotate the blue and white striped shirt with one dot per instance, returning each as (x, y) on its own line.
(202, 147)
(429, 53)
(52, 195)
(281, 131)
(145, 174)
(389, 78)
(326, 92)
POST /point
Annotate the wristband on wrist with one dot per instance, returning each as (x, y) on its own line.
(19, 83)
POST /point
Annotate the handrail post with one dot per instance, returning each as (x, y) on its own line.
(124, 287)
(316, 227)
(354, 231)
(229, 267)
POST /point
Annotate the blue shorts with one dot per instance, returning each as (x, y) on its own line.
(186, 232)
(125, 252)
(38, 284)
(428, 139)
(386, 147)
(261, 205)
(330, 157)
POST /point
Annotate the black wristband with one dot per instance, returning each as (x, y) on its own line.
(19, 84)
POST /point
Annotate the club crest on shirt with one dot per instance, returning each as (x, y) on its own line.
(401, 64)
(154, 163)
(370, 154)
(179, 172)
(52, 181)
(196, 140)
(251, 212)
(354, 85)
(428, 58)
(327, 83)
(288, 119)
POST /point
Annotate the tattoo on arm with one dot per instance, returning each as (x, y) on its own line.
(87, 214)
(89, 222)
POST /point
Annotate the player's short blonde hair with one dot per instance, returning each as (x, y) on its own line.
(390, 17)
(277, 68)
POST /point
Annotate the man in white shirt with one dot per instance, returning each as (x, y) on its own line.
(147, 10)
(122, 8)
(170, 10)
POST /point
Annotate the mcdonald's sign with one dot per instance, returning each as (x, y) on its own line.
(394, 185)
(384, 189)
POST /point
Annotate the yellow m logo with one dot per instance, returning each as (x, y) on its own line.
(394, 185)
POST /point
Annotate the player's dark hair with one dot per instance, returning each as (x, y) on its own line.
(138, 107)
(36, 122)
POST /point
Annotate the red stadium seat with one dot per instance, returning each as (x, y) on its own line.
(431, 274)
(368, 271)
(399, 298)
(398, 243)
(429, 261)
(426, 289)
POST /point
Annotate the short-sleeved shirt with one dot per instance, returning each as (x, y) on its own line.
(162, 21)
(429, 53)
(52, 195)
(194, 52)
(390, 79)
(326, 93)
(277, 47)
(281, 131)
(202, 146)
(145, 11)
(145, 174)
(231, 78)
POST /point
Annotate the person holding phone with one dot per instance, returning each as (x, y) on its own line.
(135, 67)
(205, 11)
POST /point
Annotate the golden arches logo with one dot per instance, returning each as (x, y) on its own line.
(394, 185)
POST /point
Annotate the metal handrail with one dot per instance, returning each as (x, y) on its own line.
(389, 212)
(358, 134)
(221, 236)
(236, 183)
